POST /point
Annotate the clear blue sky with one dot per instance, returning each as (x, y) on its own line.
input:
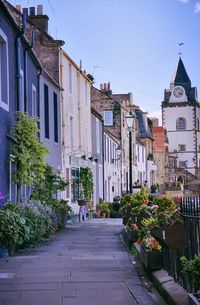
(134, 44)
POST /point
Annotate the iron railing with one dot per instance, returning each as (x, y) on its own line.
(190, 211)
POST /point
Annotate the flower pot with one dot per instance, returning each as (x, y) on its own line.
(132, 235)
(174, 236)
(152, 260)
(138, 218)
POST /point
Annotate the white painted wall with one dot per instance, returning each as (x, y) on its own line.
(112, 169)
(76, 117)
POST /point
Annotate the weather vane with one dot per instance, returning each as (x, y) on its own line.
(180, 45)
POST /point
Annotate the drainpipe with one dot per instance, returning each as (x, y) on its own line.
(25, 70)
(18, 61)
(38, 99)
(103, 171)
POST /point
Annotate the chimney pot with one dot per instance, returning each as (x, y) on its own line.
(25, 11)
(105, 86)
(108, 85)
(18, 7)
(40, 9)
(32, 11)
(101, 86)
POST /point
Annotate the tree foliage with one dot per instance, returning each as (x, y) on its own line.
(28, 153)
(47, 189)
(86, 183)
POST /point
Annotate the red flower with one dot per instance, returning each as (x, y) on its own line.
(178, 200)
(146, 201)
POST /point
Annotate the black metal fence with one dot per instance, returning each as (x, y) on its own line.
(190, 211)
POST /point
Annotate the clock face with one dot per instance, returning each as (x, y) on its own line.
(178, 91)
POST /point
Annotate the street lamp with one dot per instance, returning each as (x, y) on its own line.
(129, 121)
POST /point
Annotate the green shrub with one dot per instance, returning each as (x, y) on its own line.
(61, 209)
(103, 209)
(11, 229)
(191, 268)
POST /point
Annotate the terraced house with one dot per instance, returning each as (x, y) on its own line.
(29, 88)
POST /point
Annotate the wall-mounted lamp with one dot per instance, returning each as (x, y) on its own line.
(93, 158)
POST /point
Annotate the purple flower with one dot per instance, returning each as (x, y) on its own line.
(1, 199)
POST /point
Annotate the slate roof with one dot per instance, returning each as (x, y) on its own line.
(180, 76)
(142, 131)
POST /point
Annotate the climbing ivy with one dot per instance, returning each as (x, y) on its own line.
(27, 153)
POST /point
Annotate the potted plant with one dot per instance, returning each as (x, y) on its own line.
(168, 221)
(131, 231)
(135, 206)
(103, 210)
(86, 187)
(151, 254)
(154, 188)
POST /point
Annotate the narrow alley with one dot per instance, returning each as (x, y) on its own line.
(85, 264)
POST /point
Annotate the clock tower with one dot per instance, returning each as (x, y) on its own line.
(181, 118)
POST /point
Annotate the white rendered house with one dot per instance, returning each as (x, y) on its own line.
(76, 125)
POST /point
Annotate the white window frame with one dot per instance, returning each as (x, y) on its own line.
(108, 117)
(86, 94)
(97, 136)
(71, 127)
(70, 78)
(34, 102)
(4, 105)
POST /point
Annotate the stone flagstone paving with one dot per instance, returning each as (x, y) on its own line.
(85, 264)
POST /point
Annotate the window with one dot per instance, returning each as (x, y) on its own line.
(108, 118)
(105, 146)
(75, 184)
(71, 132)
(4, 72)
(180, 124)
(46, 111)
(70, 78)
(67, 179)
(86, 94)
(97, 136)
(55, 112)
(182, 147)
(34, 102)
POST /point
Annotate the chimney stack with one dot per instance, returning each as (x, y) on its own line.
(40, 9)
(25, 11)
(18, 7)
(32, 11)
(39, 20)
